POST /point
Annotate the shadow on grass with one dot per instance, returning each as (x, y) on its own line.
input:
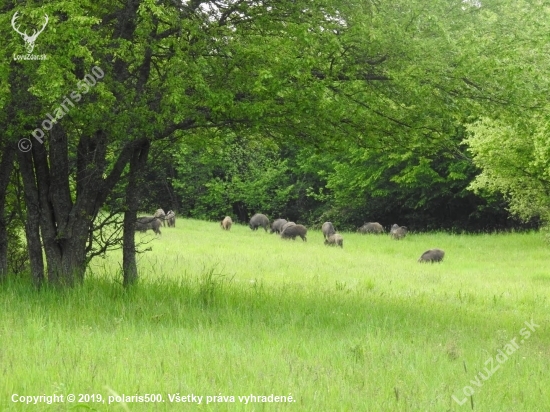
(212, 298)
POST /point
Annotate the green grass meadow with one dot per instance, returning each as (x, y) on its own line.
(226, 314)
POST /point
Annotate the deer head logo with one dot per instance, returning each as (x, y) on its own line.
(28, 39)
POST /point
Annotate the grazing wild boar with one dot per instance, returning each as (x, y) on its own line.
(287, 224)
(371, 227)
(171, 218)
(259, 220)
(277, 226)
(159, 214)
(290, 232)
(145, 223)
(226, 223)
(328, 230)
(398, 232)
(432, 255)
(335, 239)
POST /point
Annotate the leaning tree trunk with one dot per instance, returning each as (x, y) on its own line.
(133, 191)
(6, 166)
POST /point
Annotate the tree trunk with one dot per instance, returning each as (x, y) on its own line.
(6, 166)
(133, 191)
(61, 241)
(32, 223)
(64, 225)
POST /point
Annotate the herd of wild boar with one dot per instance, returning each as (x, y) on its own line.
(145, 223)
(289, 230)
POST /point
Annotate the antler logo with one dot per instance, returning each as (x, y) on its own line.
(28, 39)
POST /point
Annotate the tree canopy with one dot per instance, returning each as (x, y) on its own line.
(347, 110)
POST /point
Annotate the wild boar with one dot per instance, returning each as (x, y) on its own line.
(259, 220)
(145, 223)
(290, 232)
(328, 230)
(398, 232)
(287, 224)
(371, 227)
(334, 240)
(432, 255)
(277, 226)
(226, 223)
(171, 218)
(159, 214)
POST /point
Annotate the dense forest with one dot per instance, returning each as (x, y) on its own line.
(427, 114)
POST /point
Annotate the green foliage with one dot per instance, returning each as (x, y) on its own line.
(515, 160)
(215, 180)
(329, 110)
(382, 127)
(509, 143)
(422, 192)
(348, 187)
(18, 258)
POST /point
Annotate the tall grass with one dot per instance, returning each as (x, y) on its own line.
(363, 328)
